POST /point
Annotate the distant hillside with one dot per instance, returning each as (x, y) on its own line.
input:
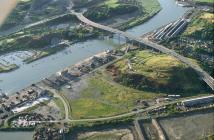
(28, 11)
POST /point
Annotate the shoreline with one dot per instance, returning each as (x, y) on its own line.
(123, 26)
(51, 52)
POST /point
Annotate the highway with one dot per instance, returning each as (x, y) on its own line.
(32, 25)
(203, 75)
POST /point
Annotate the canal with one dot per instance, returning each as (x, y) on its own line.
(36, 71)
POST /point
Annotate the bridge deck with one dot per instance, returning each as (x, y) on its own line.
(204, 75)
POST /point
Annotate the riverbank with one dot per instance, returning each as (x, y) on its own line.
(149, 10)
(52, 50)
(144, 11)
(66, 57)
(50, 43)
(12, 67)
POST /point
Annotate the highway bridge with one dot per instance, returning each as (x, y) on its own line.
(204, 75)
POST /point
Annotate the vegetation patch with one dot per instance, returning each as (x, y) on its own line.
(109, 9)
(112, 8)
(17, 14)
(205, 1)
(104, 98)
(29, 11)
(150, 71)
(8, 68)
(44, 41)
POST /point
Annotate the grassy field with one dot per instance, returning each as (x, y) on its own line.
(156, 72)
(205, 1)
(152, 75)
(106, 98)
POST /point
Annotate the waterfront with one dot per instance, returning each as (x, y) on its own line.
(34, 72)
(164, 17)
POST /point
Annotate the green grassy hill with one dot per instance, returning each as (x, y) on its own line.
(201, 27)
(144, 70)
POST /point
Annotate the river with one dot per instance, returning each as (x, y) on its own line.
(16, 135)
(34, 72)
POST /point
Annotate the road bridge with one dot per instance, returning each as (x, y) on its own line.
(203, 75)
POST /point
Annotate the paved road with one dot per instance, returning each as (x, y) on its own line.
(15, 30)
(129, 114)
(132, 113)
(204, 75)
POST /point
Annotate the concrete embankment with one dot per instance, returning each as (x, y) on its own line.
(159, 130)
(138, 130)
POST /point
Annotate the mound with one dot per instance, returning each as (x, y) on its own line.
(144, 70)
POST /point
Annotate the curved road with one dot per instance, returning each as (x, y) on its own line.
(57, 95)
(132, 113)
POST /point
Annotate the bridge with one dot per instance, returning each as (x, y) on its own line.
(203, 75)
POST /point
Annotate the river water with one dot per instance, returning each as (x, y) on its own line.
(34, 72)
(16, 135)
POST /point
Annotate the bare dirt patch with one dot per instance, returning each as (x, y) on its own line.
(194, 127)
(115, 134)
